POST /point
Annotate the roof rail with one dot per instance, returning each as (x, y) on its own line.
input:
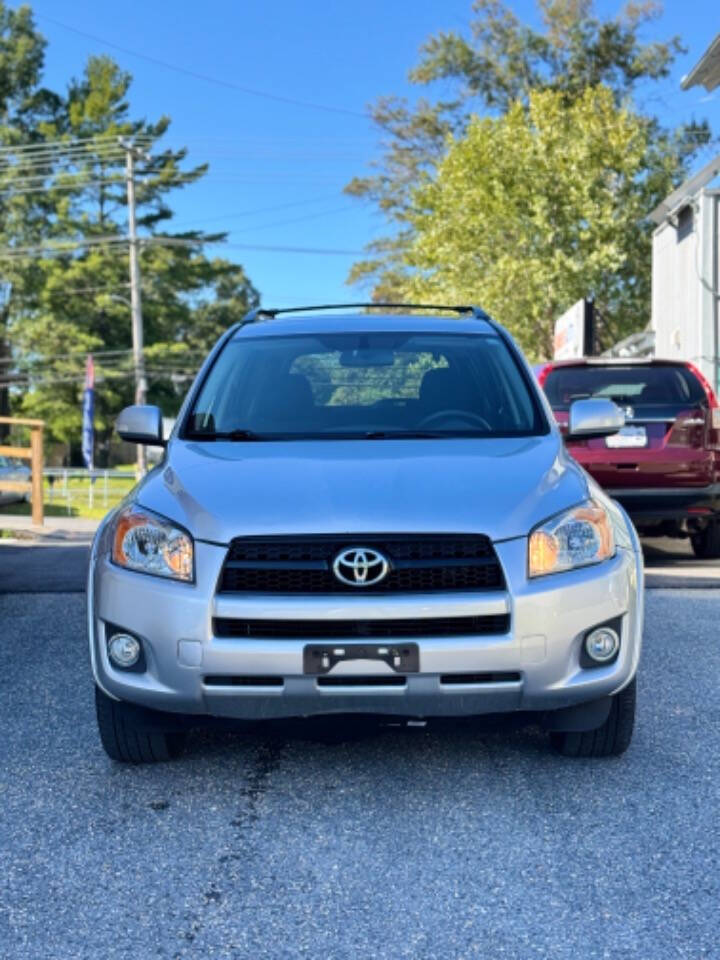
(476, 312)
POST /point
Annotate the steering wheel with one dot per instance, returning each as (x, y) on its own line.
(466, 415)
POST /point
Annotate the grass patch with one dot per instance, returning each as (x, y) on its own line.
(71, 498)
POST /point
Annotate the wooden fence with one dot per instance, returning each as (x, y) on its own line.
(33, 453)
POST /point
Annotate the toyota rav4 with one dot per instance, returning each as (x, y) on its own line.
(365, 513)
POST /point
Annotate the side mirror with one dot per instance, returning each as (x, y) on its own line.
(141, 424)
(594, 417)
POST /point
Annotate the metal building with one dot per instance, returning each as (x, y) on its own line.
(686, 273)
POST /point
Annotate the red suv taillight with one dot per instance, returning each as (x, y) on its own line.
(712, 431)
(542, 373)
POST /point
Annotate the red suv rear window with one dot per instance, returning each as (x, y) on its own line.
(638, 386)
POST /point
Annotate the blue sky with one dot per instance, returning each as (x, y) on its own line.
(277, 169)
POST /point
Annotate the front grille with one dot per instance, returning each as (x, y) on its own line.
(361, 629)
(419, 564)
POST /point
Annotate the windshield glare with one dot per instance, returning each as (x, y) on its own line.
(363, 384)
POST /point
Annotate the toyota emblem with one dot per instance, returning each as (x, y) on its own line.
(360, 567)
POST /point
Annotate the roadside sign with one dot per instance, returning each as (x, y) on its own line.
(574, 332)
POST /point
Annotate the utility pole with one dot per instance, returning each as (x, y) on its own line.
(131, 152)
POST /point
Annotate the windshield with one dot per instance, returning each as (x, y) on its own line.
(364, 385)
(637, 386)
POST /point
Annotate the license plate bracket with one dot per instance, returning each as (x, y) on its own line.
(320, 658)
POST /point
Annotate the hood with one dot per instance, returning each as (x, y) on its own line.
(499, 487)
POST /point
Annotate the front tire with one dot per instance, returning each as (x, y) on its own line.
(706, 543)
(609, 740)
(131, 734)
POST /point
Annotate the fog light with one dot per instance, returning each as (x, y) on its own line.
(602, 644)
(124, 650)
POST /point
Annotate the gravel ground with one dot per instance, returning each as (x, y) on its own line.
(425, 843)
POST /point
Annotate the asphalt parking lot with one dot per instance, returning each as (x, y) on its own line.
(53, 568)
(445, 841)
(334, 841)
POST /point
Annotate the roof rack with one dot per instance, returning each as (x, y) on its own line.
(476, 312)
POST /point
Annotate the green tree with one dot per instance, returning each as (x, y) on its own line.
(501, 64)
(71, 296)
(26, 110)
(532, 210)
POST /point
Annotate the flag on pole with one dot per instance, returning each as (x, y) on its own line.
(88, 424)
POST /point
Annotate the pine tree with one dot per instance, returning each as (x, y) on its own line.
(70, 293)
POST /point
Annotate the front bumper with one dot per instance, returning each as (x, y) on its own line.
(548, 618)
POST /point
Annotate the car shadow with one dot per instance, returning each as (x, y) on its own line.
(512, 731)
(670, 562)
(665, 551)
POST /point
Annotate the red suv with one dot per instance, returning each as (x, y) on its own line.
(664, 465)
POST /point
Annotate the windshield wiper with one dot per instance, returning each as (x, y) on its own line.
(406, 434)
(236, 435)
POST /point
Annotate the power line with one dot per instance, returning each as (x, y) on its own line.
(179, 241)
(59, 159)
(180, 179)
(267, 153)
(100, 376)
(76, 185)
(75, 142)
(250, 213)
(80, 182)
(19, 161)
(12, 253)
(15, 159)
(114, 243)
(111, 356)
(70, 246)
(274, 138)
(23, 168)
(65, 291)
(20, 156)
(27, 380)
(308, 250)
(228, 85)
(102, 371)
(287, 223)
(26, 180)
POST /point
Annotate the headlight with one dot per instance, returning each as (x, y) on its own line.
(148, 543)
(576, 538)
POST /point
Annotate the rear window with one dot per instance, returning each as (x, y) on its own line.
(637, 386)
(357, 384)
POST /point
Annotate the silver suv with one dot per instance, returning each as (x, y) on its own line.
(365, 513)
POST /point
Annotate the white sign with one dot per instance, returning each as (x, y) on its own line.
(569, 339)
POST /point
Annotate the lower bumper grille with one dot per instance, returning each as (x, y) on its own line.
(243, 681)
(479, 679)
(359, 681)
(361, 629)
